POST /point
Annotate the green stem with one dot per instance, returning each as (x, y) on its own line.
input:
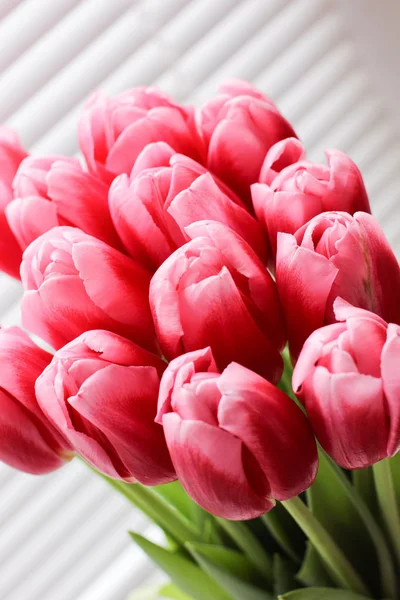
(158, 510)
(250, 546)
(386, 567)
(388, 503)
(273, 523)
(339, 567)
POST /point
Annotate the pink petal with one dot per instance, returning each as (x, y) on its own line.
(348, 414)
(391, 385)
(204, 200)
(217, 303)
(140, 234)
(179, 372)
(304, 281)
(121, 402)
(208, 462)
(271, 427)
(22, 217)
(22, 446)
(126, 302)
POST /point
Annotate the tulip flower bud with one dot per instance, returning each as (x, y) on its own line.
(11, 155)
(113, 131)
(335, 255)
(347, 378)
(57, 189)
(101, 391)
(28, 441)
(214, 291)
(239, 126)
(302, 190)
(150, 211)
(236, 441)
(74, 282)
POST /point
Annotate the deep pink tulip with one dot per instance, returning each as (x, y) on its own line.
(28, 440)
(347, 376)
(11, 155)
(236, 441)
(301, 190)
(335, 255)
(74, 282)
(239, 126)
(54, 190)
(101, 391)
(113, 131)
(214, 291)
(151, 210)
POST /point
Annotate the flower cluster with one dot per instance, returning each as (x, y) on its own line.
(168, 270)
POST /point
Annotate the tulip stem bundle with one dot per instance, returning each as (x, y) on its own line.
(388, 503)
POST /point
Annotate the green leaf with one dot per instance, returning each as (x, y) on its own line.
(321, 594)
(169, 590)
(284, 575)
(249, 544)
(147, 593)
(235, 587)
(285, 531)
(188, 577)
(333, 508)
(312, 571)
(176, 496)
(363, 481)
(227, 559)
(395, 468)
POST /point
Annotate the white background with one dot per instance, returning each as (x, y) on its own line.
(332, 67)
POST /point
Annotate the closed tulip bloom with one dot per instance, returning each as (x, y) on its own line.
(214, 291)
(151, 210)
(302, 189)
(347, 378)
(113, 131)
(74, 282)
(28, 440)
(11, 155)
(334, 255)
(239, 126)
(237, 442)
(57, 189)
(100, 391)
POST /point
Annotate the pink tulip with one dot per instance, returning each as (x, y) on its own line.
(100, 391)
(113, 131)
(239, 126)
(236, 441)
(28, 441)
(151, 210)
(74, 282)
(301, 190)
(57, 189)
(347, 378)
(335, 255)
(214, 291)
(11, 154)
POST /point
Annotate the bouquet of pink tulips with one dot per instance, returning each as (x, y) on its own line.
(180, 271)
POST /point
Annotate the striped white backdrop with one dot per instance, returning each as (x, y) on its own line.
(329, 64)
